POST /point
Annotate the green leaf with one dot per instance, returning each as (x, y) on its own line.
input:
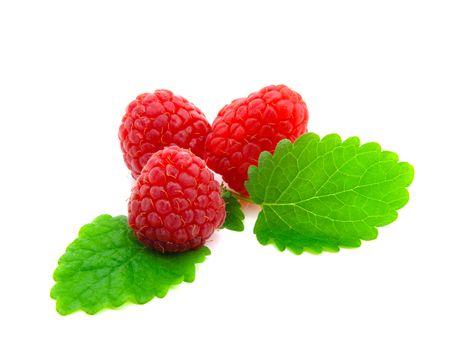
(106, 267)
(234, 214)
(324, 194)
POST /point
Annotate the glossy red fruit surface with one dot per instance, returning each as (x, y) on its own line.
(156, 120)
(176, 204)
(248, 126)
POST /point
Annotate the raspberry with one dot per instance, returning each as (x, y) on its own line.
(248, 126)
(159, 119)
(176, 204)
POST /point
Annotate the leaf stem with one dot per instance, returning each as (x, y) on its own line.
(241, 197)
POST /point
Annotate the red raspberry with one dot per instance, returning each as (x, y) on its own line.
(176, 204)
(159, 119)
(248, 126)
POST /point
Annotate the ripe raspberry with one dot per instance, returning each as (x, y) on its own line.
(176, 204)
(248, 126)
(159, 119)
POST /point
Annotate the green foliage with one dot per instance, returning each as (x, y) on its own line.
(106, 267)
(324, 194)
(234, 214)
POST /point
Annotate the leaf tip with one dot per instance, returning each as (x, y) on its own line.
(352, 141)
(332, 138)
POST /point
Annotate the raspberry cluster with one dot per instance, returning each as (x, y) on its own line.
(176, 203)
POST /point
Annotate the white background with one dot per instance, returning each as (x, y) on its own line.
(394, 72)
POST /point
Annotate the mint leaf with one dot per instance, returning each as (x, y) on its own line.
(106, 267)
(324, 194)
(234, 214)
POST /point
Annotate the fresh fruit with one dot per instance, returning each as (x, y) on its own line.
(248, 126)
(176, 204)
(315, 194)
(159, 119)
